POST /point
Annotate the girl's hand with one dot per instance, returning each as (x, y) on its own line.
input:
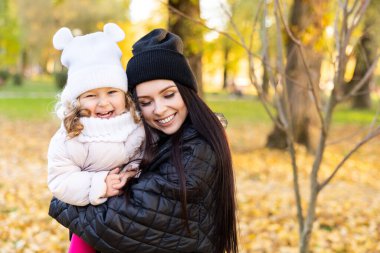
(112, 179)
(124, 176)
(115, 181)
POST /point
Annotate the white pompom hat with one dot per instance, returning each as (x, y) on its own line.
(92, 60)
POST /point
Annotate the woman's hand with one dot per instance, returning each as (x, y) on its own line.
(115, 181)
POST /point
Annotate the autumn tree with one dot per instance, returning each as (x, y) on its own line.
(10, 43)
(191, 35)
(239, 12)
(302, 74)
(349, 15)
(364, 55)
(40, 19)
(296, 84)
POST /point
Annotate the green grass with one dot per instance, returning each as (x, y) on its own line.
(346, 115)
(251, 111)
(239, 111)
(27, 108)
(33, 100)
(36, 99)
(42, 85)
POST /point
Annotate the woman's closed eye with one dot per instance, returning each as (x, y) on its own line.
(144, 103)
(169, 95)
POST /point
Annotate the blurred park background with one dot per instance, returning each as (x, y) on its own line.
(297, 80)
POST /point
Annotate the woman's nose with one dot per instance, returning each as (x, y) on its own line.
(159, 108)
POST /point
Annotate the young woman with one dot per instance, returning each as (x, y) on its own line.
(184, 199)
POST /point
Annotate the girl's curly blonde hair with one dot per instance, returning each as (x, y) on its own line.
(73, 112)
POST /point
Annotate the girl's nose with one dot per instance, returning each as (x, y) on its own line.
(102, 101)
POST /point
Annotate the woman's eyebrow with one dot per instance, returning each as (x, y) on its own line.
(164, 89)
(161, 91)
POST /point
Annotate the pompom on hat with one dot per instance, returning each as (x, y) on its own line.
(159, 55)
(92, 60)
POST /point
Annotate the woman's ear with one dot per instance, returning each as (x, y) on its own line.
(114, 31)
(62, 38)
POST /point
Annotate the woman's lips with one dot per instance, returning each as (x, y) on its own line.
(166, 120)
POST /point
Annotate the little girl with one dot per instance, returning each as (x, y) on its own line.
(101, 133)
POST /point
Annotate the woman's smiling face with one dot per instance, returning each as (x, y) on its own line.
(161, 105)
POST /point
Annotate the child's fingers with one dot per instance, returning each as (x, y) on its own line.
(119, 185)
(113, 177)
(114, 192)
(130, 173)
(114, 171)
(124, 178)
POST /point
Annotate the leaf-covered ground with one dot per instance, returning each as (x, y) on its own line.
(348, 213)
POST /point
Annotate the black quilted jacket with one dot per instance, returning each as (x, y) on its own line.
(149, 220)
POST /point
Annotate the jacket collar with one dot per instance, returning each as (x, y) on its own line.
(165, 144)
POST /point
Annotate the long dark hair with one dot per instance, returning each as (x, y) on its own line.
(200, 115)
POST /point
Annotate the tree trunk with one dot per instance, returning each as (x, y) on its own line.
(226, 52)
(265, 84)
(365, 52)
(265, 52)
(305, 15)
(24, 62)
(191, 34)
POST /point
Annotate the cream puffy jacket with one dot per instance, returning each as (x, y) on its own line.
(77, 167)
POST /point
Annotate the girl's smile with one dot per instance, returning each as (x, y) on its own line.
(104, 102)
(105, 115)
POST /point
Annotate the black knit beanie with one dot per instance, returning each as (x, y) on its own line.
(159, 55)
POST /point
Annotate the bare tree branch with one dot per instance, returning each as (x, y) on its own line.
(375, 119)
(289, 32)
(234, 26)
(200, 22)
(292, 153)
(227, 35)
(341, 44)
(252, 72)
(311, 86)
(362, 82)
(283, 106)
(250, 56)
(350, 136)
(286, 118)
(369, 137)
(255, 21)
(357, 17)
(349, 12)
(312, 89)
(360, 13)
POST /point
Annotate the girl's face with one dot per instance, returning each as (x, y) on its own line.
(161, 105)
(103, 102)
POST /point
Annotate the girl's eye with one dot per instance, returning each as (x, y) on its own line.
(169, 95)
(112, 91)
(89, 96)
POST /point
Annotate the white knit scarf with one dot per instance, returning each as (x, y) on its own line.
(115, 129)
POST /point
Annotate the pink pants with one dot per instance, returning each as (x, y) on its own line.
(77, 245)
